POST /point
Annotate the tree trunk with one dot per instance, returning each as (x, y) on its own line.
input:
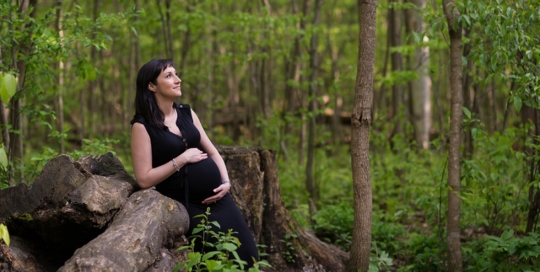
(467, 102)
(394, 35)
(334, 83)
(453, 235)
(4, 125)
(312, 97)
(3, 118)
(60, 101)
(16, 117)
(421, 87)
(361, 122)
(292, 73)
(534, 192)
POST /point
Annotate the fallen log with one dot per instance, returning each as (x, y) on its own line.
(73, 202)
(89, 215)
(146, 223)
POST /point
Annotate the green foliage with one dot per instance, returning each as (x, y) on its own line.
(290, 252)
(3, 157)
(380, 262)
(334, 224)
(505, 253)
(223, 257)
(493, 182)
(426, 253)
(4, 234)
(504, 45)
(387, 234)
(8, 86)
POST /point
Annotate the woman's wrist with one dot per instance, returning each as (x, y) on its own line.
(176, 167)
(226, 181)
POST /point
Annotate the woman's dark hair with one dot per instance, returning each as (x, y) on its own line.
(145, 101)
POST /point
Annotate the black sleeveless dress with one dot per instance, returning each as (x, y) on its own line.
(196, 181)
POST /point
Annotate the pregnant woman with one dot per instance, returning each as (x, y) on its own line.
(172, 152)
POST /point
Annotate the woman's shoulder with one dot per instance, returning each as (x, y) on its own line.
(138, 119)
(183, 106)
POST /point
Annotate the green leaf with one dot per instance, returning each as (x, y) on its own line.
(229, 246)
(8, 88)
(467, 112)
(517, 103)
(90, 72)
(4, 234)
(507, 234)
(196, 230)
(210, 255)
(474, 133)
(215, 223)
(3, 158)
(194, 258)
(180, 266)
(212, 265)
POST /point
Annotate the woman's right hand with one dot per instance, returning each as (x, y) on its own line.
(193, 155)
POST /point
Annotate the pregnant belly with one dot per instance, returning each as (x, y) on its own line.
(203, 178)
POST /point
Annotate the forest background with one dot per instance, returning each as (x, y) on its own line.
(282, 75)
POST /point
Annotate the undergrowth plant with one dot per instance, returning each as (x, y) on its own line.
(219, 250)
(509, 252)
(495, 190)
(290, 253)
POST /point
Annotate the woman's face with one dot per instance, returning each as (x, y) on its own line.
(168, 84)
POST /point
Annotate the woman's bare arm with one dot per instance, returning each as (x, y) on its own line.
(141, 154)
(209, 147)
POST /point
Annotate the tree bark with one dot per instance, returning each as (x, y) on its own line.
(16, 117)
(3, 117)
(292, 73)
(361, 122)
(420, 88)
(154, 222)
(534, 165)
(312, 97)
(467, 102)
(398, 101)
(455, 262)
(60, 100)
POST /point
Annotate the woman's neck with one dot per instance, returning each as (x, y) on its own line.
(166, 107)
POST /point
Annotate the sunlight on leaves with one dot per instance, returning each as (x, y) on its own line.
(8, 86)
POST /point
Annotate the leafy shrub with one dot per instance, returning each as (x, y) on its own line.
(426, 253)
(505, 253)
(334, 224)
(387, 236)
(223, 258)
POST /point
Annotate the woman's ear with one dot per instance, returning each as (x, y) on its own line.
(151, 87)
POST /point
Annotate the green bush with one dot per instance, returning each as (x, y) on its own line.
(505, 253)
(224, 256)
(334, 224)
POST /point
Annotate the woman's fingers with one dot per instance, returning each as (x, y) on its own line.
(195, 155)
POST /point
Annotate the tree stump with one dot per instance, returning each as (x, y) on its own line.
(254, 175)
(89, 215)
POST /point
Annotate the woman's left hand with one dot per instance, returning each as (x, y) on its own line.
(220, 193)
